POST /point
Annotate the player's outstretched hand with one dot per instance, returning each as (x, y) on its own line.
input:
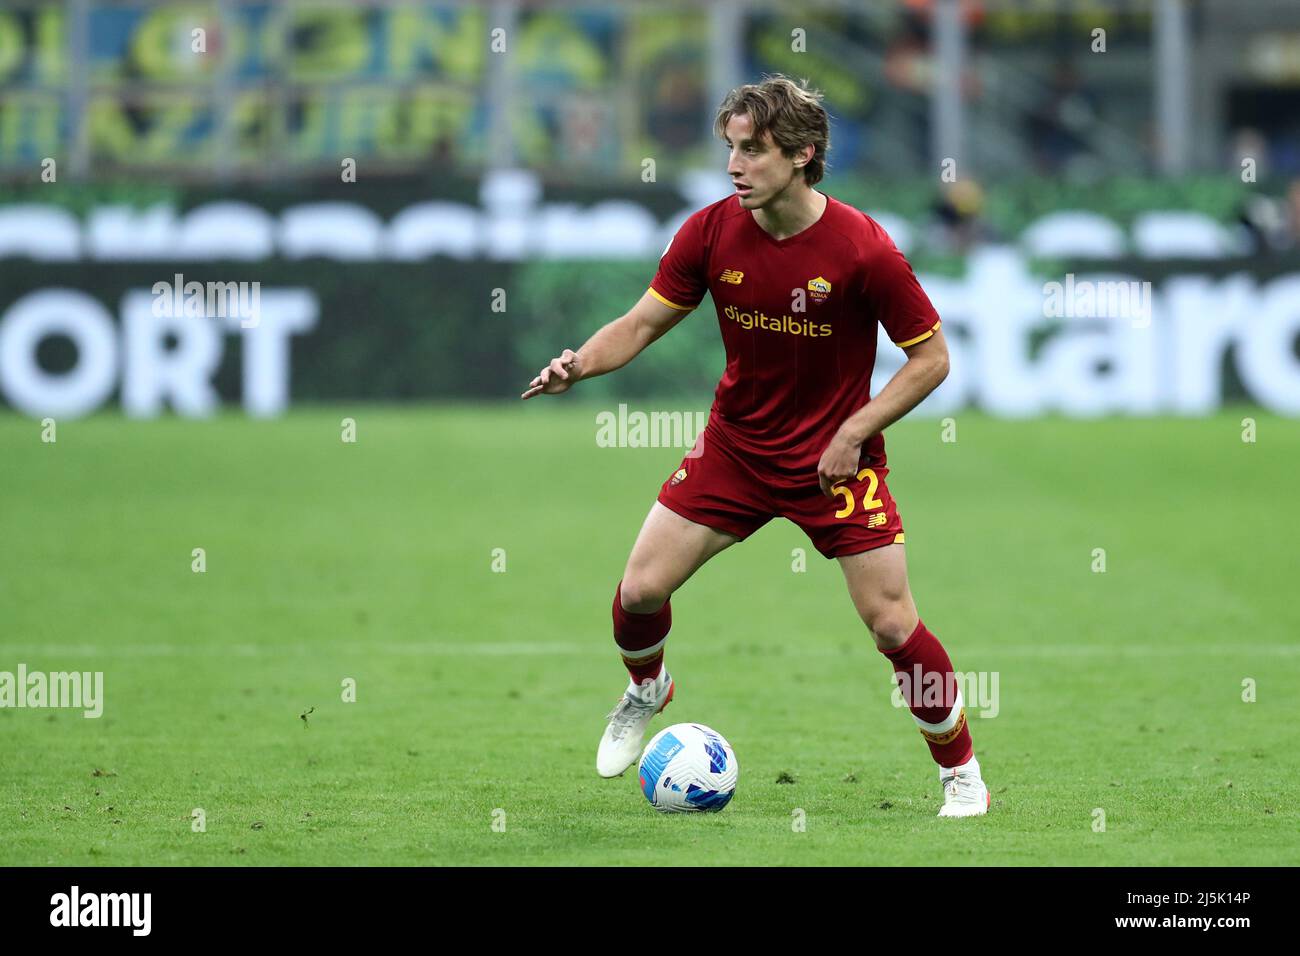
(559, 376)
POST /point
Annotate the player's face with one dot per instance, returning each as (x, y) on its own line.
(757, 167)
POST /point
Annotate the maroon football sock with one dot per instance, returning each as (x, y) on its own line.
(924, 674)
(641, 637)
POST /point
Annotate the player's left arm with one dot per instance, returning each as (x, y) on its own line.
(926, 367)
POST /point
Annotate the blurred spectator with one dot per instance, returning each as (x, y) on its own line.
(909, 64)
(677, 115)
(1060, 128)
(1263, 225)
(957, 223)
(1249, 143)
(1271, 224)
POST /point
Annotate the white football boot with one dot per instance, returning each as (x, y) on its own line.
(621, 745)
(964, 793)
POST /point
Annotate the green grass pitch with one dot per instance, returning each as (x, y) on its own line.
(479, 690)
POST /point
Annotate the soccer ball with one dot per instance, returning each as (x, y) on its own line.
(688, 767)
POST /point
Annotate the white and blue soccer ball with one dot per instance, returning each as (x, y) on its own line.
(688, 768)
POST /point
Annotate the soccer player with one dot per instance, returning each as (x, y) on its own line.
(800, 282)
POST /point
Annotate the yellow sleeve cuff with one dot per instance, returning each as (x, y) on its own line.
(920, 338)
(671, 305)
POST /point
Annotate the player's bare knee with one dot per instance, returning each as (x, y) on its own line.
(890, 625)
(641, 595)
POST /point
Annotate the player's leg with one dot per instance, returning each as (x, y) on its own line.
(708, 504)
(877, 582)
(668, 550)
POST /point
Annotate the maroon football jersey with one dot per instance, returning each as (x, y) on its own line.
(798, 319)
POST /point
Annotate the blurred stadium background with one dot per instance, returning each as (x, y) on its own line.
(431, 199)
(396, 163)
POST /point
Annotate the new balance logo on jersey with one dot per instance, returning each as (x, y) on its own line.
(732, 276)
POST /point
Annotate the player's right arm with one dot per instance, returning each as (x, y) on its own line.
(680, 279)
(612, 347)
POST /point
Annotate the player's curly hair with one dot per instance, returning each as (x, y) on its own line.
(790, 110)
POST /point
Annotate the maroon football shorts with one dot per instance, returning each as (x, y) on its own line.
(721, 488)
